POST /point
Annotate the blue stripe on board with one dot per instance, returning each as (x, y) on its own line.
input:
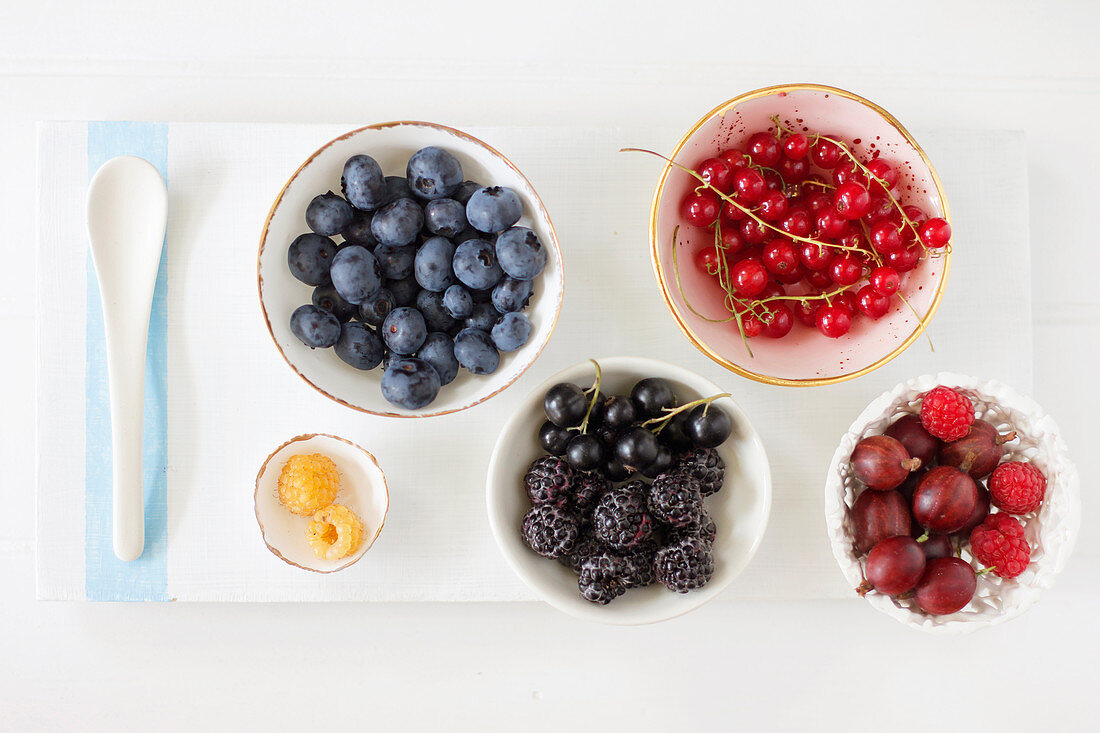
(106, 578)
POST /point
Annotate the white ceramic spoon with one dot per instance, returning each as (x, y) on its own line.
(127, 216)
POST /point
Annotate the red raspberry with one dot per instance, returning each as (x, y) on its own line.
(1017, 488)
(947, 414)
(999, 543)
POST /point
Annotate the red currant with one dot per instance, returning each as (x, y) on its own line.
(825, 154)
(903, 260)
(935, 233)
(806, 312)
(734, 158)
(885, 173)
(852, 238)
(831, 224)
(821, 280)
(707, 260)
(915, 214)
(817, 201)
(780, 257)
(872, 303)
(815, 257)
(717, 173)
(753, 232)
(763, 148)
(847, 171)
(884, 280)
(846, 270)
(795, 145)
(773, 180)
(794, 170)
(773, 206)
(882, 207)
(751, 325)
(833, 321)
(771, 290)
(885, 237)
(732, 211)
(749, 277)
(700, 209)
(750, 185)
(847, 301)
(780, 323)
(732, 242)
(797, 222)
(851, 200)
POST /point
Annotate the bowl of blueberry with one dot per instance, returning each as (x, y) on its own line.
(628, 490)
(408, 269)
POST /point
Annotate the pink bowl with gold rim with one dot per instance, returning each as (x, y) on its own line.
(804, 357)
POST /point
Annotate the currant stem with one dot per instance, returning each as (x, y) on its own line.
(670, 412)
(595, 391)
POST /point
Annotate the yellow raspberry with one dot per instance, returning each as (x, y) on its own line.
(334, 532)
(308, 483)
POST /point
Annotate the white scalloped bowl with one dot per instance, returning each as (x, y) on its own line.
(1051, 531)
(391, 144)
(740, 510)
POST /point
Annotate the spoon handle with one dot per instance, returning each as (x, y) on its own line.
(127, 335)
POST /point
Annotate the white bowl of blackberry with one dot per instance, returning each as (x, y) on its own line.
(628, 490)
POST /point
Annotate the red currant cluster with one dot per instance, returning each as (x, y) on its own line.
(799, 223)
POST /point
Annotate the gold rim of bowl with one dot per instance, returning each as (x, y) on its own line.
(658, 272)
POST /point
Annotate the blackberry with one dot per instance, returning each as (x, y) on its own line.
(548, 481)
(706, 466)
(637, 569)
(585, 547)
(684, 565)
(674, 498)
(549, 530)
(703, 527)
(621, 519)
(587, 490)
(599, 579)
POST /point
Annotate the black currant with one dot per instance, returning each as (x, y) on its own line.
(637, 448)
(708, 426)
(584, 452)
(553, 439)
(619, 412)
(565, 405)
(672, 434)
(613, 469)
(660, 464)
(651, 396)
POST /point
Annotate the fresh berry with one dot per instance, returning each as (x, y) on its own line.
(520, 253)
(636, 569)
(565, 405)
(584, 452)
(314, 327)
(999, 543)
(986, 445)
(309, 258)
(674, 498)
(684, 565)
(947, 586)
(493, 209)
(705, 466)
(834, 320)
(763, 148)
(329, 214)
(700, 209)
(946, 413)
(433, 173)
(586, 490)
(621, 518)
(894, 566)
(474, 350)
(652, 396)
(885, 280)
(708, 425)
(554, 439)
(599, 578)
(550, 530)
(717, 173)
(935, 233)
(1017, 487)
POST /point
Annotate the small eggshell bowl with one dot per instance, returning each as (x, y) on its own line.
(804, 357)
(362, 489)
(391, 144)
(740, 510)
(1051, 531)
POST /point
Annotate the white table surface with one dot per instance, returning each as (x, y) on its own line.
(754, 665)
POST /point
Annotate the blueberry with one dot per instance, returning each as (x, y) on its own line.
(355, 274)
(465, 234)
(396, 262)
(464, 191)
(458, 302)
(433, 173)
(475, 351)
(328, 214)
(374, 309)
(310, 257)
(482, 296)
(483, 317)
(511, 331)
(316, 328)
(476, 266)
(362, 183)
(326, 298)
(404, 330)
(398, 223)
(445, 217)
(404, 290)
(439, 351)
(358, 231)
(430, 305)
(494, 209)
(433, 264)
(359, 346)
(520, 253)
(397, 188)
(511, 295)
(410, 383)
